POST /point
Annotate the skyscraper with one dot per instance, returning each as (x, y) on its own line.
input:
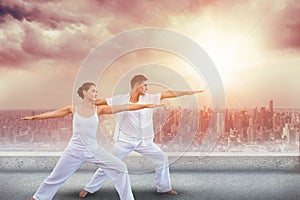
(271, 114)
(251, 131)
(271, 107)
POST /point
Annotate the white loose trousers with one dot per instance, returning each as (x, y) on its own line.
(148, 149)
(71, 160)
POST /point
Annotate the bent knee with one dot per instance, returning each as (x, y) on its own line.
(163, 157)
(122, 167)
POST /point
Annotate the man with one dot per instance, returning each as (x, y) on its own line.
(134, 132)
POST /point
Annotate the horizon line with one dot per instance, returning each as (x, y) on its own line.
(275, 108)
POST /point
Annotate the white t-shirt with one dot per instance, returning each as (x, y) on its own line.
(134, 125)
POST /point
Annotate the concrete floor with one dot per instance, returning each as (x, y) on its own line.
(190, 184)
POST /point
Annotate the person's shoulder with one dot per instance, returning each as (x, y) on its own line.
(149, 97)
(71, 107)
(146, 96)
(152, 95)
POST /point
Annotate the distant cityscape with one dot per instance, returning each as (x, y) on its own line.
(249, 130)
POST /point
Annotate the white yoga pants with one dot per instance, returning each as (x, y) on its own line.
(151, 151)
(71, 160)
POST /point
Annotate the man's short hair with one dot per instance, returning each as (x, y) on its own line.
(137, 79)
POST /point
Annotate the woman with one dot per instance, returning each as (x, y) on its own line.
(83, 146)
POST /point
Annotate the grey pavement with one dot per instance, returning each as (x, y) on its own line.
(194, 177)
(190, 184)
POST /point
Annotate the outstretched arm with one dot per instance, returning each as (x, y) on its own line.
(126, 107)
(100, 102)
(53, 114)
(173, 94)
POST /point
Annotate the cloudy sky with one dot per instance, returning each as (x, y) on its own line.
(254, 45)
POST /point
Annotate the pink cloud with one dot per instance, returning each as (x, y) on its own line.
(70, 34)
(34, 31)
(68, 31)
(58, 35)
(284, 28)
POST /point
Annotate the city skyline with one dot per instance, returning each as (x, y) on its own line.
(253, 44)
(257, 130)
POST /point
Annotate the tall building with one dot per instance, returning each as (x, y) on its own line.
(275, 120)
(271, 115)
(292, 136)
(285, 130)
(298, 138)
(263, 117)
(201, 122)
(271, 109)
(255, 114)
(251, 132)
(220, 122)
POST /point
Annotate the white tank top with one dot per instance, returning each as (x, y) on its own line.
(84, 132)
(131, 129)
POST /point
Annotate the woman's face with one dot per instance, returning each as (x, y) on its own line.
(91, 94)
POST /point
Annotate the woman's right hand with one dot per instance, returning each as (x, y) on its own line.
(27, 118)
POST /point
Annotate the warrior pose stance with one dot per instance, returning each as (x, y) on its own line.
(134, 132)
(83, 146)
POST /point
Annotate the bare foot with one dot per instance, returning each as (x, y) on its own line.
(32, 198)
(172, 192)
(83, 193)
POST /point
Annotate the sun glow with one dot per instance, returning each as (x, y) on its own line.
(231, 43)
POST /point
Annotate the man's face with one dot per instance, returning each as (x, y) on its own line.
(141, 88)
